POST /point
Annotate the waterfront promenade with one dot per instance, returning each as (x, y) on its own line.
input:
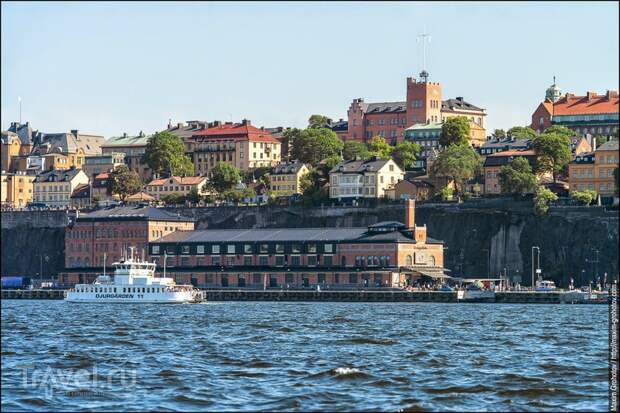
(515, 297)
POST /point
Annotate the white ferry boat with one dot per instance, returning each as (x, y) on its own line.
(134, 282)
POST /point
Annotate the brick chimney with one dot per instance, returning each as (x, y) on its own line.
(611, 94)
(410, 213)
(591, 95)
(245, 122)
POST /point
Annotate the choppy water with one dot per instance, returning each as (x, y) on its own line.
(303, 356)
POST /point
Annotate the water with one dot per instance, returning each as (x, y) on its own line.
(303, 356)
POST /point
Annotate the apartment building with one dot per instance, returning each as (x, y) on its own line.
(286, 178)
(55, 187)
(363, 179)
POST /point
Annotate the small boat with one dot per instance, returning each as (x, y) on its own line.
(134, 282)
(474, 293)
(545, 285)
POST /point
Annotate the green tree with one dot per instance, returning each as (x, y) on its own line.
(447, 193)
(319, 121)
(405, 153)
(521, 132)
(352, 149)
(553, 152)
(174, 198)
(458, 162)
(165, 153)
(560, 130)
(193, 195)
(313, 145)
(380, 148)
(585, 197)
(124, 182)
(542, 199)
(455, 131)
(517, 177)
(499, 134)
(223, 177)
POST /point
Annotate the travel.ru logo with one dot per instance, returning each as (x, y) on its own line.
(92, 382)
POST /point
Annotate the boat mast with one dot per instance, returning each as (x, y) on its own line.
(104, 257)
(165, 256)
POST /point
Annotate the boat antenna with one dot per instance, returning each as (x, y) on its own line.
(165, 257)
(104, 264)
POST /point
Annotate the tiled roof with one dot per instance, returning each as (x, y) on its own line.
(586, 157)
(60, 175)
(101, 180)
(236, 131)
(385, 107)
(81, 191)
(507, 142)
(458, 104)
(609, 146)
(126, 140)
(505, 157)
(183, 180)
(72, 141)
(579, 105)
(360, 166)
(140, 196)
(133, 213)
(186, 130)
(288, 168)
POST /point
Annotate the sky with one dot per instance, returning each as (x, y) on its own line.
(109, 68)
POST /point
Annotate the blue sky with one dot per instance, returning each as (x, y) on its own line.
(110, 68)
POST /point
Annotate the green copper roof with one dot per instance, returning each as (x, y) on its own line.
(424, 126)
(126, 140)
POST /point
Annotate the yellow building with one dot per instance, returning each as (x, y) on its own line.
(55, 187)
(363, 179)
(493, 165)
(17, 189)
(134, 148)
(286, 178)
(239, 144)
(4, 193)
(595, 170)
(159, 188)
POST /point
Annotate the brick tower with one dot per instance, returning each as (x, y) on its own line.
(423, 100)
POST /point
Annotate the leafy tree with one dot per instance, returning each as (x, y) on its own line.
(173, 199)
(455, 131)
(312, 145)
(585, 197)
(499, 134)
(124, 182)
(517, 177)
(193, 195)
(380, 148)
(165, 152)
(330, 162)
(446, 193)
(521, 132)
(405, 153)
(553, 152)
(542, 199)
(458, 162)
(352, 149)
(223, 177)
(560, 130)
(319, 121)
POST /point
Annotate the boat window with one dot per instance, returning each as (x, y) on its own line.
(114, 290)
(143, 289)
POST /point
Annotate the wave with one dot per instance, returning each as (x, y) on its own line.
(369, 340)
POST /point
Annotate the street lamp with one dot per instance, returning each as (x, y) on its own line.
(537, 264)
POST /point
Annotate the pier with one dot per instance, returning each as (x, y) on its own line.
(390, 296)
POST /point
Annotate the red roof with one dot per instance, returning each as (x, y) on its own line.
(586, 105)
(187, 180)
(236, 131)
(528, 152)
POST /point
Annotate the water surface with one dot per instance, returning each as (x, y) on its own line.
(303, 356)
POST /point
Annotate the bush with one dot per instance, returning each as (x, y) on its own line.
(542, 199)
(584, 197)
(447, 193)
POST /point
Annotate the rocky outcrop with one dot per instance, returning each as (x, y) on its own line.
(568, 237)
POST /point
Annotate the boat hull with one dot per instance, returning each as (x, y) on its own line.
(153, 298)
(475, 296)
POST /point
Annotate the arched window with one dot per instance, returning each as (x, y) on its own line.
(409, 261)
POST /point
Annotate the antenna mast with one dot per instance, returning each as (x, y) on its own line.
(19, 101)
(423, 37)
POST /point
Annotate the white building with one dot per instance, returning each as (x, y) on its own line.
(363, 179)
